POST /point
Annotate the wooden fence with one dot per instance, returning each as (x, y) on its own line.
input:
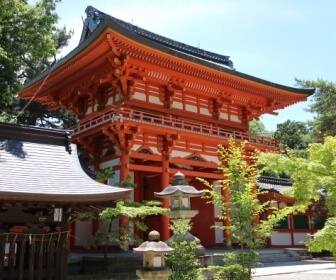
(33, 256)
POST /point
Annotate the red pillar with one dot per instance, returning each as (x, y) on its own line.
(124, 165)
(165, 232)
(124, 171)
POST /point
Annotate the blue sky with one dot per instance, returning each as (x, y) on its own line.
(272, 40)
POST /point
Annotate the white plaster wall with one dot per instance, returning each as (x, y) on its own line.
(139, 96)
(234, 118)
(205, 111)
(180, 154)
(155, 150)
(223, 116)
(217, 209)
(83, 231)
(300, 238)
(103, 226)
(118, 97)
(218, 233)
(281, 238)
(191, 108)
(89, 110)
(155, 100)
(177, 105)
(110, 101)
(109, 163)
(210, 158)
(136, 147)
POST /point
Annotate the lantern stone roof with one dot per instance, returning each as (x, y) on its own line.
(179, 187)
(154, 245)
(40, 166)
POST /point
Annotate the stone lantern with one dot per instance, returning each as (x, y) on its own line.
(153, 252)
(179, 194)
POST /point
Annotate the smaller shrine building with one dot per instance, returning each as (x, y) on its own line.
(42, 187)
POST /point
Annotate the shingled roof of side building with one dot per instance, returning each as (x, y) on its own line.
(41, 166)
(278, 185)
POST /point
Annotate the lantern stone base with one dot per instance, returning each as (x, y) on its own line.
(153, 274)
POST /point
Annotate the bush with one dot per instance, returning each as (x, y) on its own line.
(229, 272)
(183, 261)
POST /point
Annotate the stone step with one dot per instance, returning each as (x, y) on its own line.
(266, 256)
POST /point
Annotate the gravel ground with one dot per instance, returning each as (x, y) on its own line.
(309, 275)
(305, 270)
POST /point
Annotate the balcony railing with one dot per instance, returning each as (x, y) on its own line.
(121, 114)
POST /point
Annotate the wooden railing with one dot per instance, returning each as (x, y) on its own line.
(122, 114)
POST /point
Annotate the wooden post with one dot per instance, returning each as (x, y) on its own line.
(2, 259)
(165, 232)
(31, 259)
(62, 248)
(21, 252)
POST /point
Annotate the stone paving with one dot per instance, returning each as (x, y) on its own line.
(301, 270)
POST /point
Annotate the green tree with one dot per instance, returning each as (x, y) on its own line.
(294, 135)
(136, 212)
(312, 177)
(29, 43)
(241, 170)
(26, 36)
(323, 106)
(257, 128)
(183, 261)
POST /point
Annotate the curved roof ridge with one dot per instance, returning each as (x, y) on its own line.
(94, 17)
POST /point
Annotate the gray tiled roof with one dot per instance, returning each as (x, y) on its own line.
(97, 23)
(94, 18)
(40, 165)
(272, 183)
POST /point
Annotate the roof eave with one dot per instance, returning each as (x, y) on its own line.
(107, 23)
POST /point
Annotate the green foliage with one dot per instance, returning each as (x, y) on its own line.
(232, 269)
(293, 135)
(324, 240)
(26, 36)
(106, 173)
(183, 261)
(258, 128)
(133, 210)
(136, 212)
(241, 170)
(126, 184)
(311, 178)
(37, 114)
(29, 42)
(5, 117)
(323, 106)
